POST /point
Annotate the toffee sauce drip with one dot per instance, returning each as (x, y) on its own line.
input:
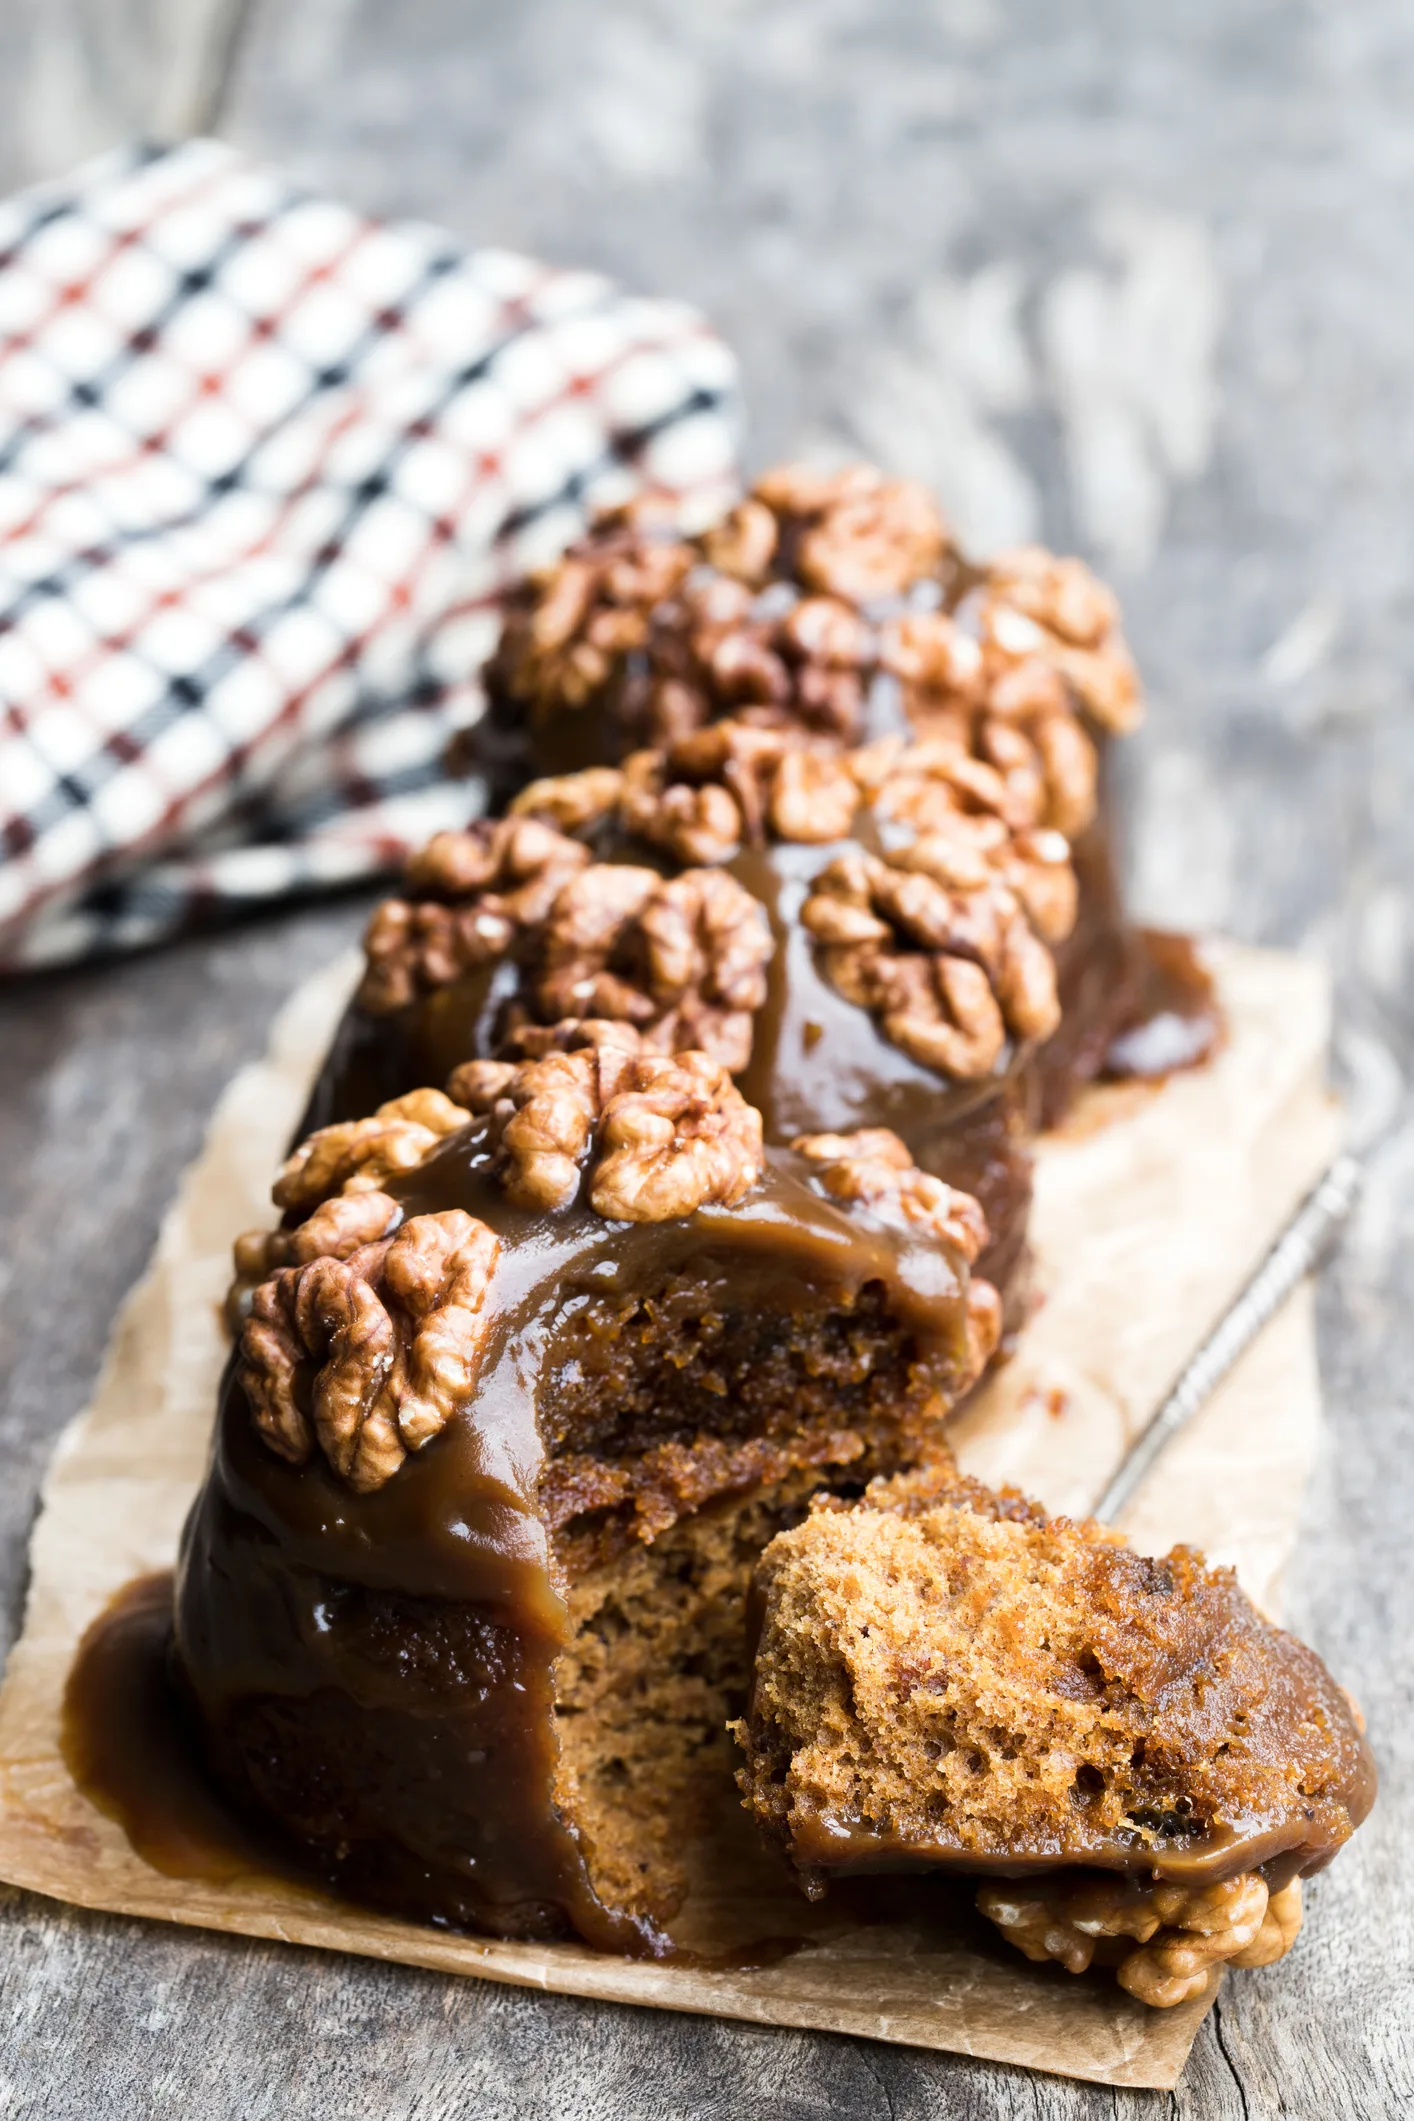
(129, 1741)
(832, 1851)
(1135, 1003)
(376, 1672)
(129, 1748)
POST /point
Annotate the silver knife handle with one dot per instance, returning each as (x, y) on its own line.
(1291, 1257)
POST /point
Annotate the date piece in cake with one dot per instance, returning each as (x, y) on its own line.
(1140, 1768)
(460, 1607)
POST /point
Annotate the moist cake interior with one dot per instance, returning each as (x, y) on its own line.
(945, 1676)
(673, 1404)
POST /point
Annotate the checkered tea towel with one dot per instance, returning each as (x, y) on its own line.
(265, 468)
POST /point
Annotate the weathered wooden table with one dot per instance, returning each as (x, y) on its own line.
(1134, 277)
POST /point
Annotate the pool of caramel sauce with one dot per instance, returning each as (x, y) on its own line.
(127, 1743)
(1176, 1020)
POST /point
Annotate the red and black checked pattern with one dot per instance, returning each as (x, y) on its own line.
(265, 470)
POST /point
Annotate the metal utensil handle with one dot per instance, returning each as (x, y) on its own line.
(1291, 1257)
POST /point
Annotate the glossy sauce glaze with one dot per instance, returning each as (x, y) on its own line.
(1133, 1004)
(828, 1849)
(131, 1750)
(375, 1672)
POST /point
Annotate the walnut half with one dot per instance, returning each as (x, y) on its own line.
(681, 959)
(335, 1229)
(356, 1155)
(332, 1184)
(677, 1136)
(1180, 1931)
(467, 897)
(370, 1357)
(705, 795)
(942, 952)
(657, 1137)
(875, 1169)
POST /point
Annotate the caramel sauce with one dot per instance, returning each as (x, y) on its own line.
(130, 1749)
(1177, 1020)
(129, 1746)
(415, 1630)
(836, 1851)
(818, 1063)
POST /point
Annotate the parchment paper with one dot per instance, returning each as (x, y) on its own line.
(1152, 1207)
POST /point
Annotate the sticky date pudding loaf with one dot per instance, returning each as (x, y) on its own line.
(523, 1386)
(864, 938)
(1139, 1767)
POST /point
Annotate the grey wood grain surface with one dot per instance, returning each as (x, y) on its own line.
(1133, 277)
(78, 76)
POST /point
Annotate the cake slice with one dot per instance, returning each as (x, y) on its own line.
(1139, 1766)
(523, 1387)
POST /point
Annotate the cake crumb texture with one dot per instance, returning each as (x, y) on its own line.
(963, 1683)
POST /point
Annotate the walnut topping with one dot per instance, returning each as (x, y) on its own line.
(547, 1111)
(1181, 1931)
(1002, 699)
(572, 802)
(1001, 679)
(1281, 1926)
(968, 814)
(813, 797)
(677, 1136)
(1049, 637)
(335, 1229)
(755, 617)
(703, 796)
(929, 784)
(874, 1168)
(682, 959)
(570, 630)
(1060, 595)
(814, 587)
(658, 1137)
(333, 1183)
(471, 894)
(477, 1084)
(944, 939)
(745, 544)
(358, 1154)
(370, 1356)
(696, 821)
(872, 537)
(947, 962)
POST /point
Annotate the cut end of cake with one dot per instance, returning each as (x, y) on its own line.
(947, 1678)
